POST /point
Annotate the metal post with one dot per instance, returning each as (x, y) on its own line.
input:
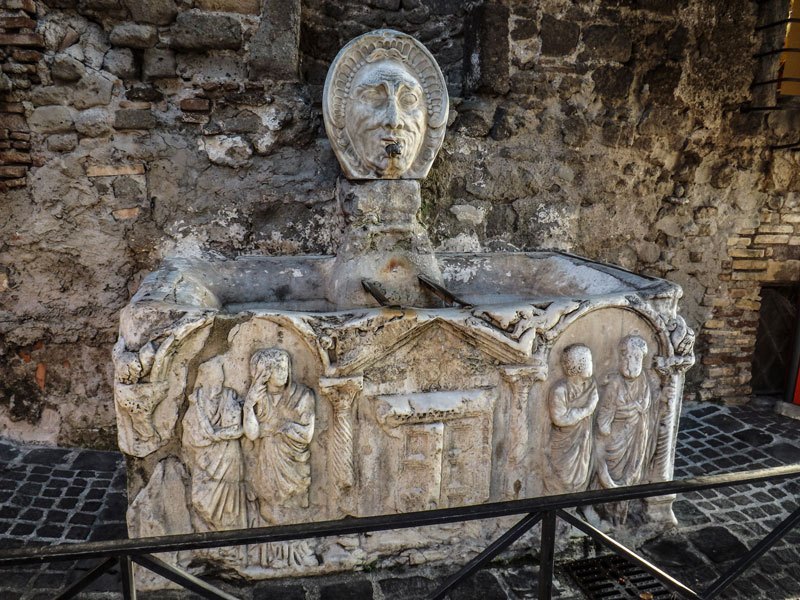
(126, 575)
(547, 555)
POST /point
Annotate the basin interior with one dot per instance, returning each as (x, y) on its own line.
(300, 283)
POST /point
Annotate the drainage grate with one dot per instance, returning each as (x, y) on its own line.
(615, 578)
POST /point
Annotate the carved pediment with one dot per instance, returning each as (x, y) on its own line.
(426, 336)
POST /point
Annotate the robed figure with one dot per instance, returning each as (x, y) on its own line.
(571, 403)
(623, 425)
(279, 422)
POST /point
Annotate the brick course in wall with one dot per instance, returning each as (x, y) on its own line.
(19, 57)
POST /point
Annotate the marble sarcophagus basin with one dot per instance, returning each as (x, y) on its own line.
(245, 398)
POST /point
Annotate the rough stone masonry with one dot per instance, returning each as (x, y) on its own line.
(133, 130)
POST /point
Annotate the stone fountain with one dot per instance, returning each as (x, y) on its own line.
(389, 378)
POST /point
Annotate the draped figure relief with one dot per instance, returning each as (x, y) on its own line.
(572, 402)
(212, 428)
(279, 417)
(623, 426)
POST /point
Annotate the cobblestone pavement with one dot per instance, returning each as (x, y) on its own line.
(50, 495)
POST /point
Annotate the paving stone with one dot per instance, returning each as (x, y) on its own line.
(282, 590)
(754, 437)
(407, 588)
(355, 590)
(8, 512)
(109, 531)
(705, 411)
(784, 452)
(32, 514)
(97, 461)
(717, 543)
(482, 586)
(82, 519)
(78, 532)
(723, 422)
(22, 529)
(95, 494)
(8, 453)
(50, 531)
(47, 456)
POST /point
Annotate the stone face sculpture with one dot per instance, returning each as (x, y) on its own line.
(477, 386)
(572, 402)
(385, 106)
(624, 425)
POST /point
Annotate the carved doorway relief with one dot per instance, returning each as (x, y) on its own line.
(446, 452)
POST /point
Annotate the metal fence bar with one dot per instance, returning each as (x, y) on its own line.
(629, 554)
(777, 80)
(776, 24)
(126, 576)
(87, 579)
(349, 526)
(496, 547)
(182, 578)
(547, 555)
(789, 146)
(727, 578)
(774, 51)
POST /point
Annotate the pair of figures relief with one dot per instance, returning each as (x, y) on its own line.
(249, 458)
(601, 437)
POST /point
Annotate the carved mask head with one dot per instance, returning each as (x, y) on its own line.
(632, 350)
(577, 361)
(386, 118)
(385, 107)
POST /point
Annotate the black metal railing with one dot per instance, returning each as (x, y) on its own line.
(547, 510)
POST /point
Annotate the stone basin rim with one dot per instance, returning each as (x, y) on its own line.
(301, 283)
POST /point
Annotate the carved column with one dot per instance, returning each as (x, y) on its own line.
(662, 466)
(341, 392)
(519, 378)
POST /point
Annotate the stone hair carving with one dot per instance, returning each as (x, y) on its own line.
(572, 402)
(385, 107)
(623, 425)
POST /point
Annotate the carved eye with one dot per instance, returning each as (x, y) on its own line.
(409, 100)
(373, 97)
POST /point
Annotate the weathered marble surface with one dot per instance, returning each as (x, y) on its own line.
(384, 410)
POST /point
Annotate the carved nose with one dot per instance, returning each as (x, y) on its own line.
(391, 116)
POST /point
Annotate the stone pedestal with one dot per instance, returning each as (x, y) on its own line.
(383, 243)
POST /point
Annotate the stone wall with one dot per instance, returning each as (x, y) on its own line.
(612, 129)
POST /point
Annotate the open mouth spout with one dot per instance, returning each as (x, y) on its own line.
(393, 149)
